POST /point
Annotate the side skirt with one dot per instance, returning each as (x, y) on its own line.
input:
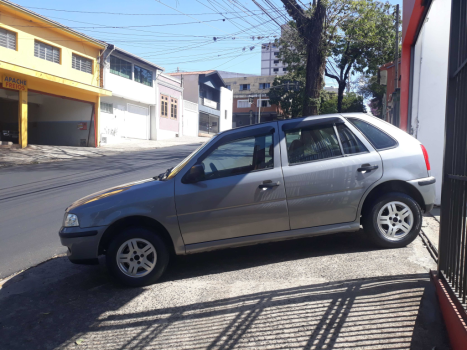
(271, 237)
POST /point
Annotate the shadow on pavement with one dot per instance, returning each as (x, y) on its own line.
(58, 304)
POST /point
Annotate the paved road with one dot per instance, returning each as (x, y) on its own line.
(33, 198)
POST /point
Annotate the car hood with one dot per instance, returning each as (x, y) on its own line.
(110, 192)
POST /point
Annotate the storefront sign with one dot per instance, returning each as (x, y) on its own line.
(209, 103)
(10, 82)
(82, 126)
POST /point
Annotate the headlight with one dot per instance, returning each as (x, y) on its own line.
(70, 220)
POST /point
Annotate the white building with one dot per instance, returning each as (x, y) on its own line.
(145, 103)
(270, 63)
(424, 70)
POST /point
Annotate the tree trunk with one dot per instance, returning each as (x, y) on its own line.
(340, 96)
(315, 63)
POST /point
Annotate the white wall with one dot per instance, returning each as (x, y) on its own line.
(121, 123)
(226, 103)
(430, 84)
(190, 119)
(129, 89)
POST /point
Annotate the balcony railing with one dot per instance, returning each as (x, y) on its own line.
(209, 103)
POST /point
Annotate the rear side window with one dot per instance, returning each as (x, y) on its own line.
(350, 143)
(379, 139)
(309, 144)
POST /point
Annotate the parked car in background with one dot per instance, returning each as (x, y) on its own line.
(261, 183)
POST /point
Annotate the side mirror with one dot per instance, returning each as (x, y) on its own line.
(195, 174)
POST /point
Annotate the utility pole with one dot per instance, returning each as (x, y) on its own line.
(396, 58)
(259, 112)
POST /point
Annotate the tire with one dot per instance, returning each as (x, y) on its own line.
(383, 224)
(141, 265)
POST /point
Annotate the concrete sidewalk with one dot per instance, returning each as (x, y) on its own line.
(35, 154)
(328, 292)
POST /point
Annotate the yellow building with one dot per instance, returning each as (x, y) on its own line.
(51, 81)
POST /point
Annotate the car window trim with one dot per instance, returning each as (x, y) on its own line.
(311, 122)
(373, 125)
(342, 147)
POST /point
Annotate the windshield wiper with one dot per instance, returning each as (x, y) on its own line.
(163, 175)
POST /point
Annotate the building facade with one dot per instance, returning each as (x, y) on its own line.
(250, 100)
(208, 91)
(51, 81)
(423, 84)
(270, 62)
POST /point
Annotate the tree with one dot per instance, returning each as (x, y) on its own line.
(286, 96)
(370, 88)
(365, 43)
(357, 36)
(310, 27)
(351, 102)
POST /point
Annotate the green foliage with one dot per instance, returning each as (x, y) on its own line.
(350, 103)
(289, 99)
(370, 88)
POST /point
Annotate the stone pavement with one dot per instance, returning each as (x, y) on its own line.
(35, 154)
(328, 292)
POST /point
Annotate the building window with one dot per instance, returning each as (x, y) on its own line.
(276, 54)
(244, 87)
(7, 39)
(81, 63)
(120, 67)
(276, 61)
(143, 76)
(263, 86)
(264, 103)
(243, 104)
(107, 107)
(47, 52)
(164, 106)
(228, 87)
(284, 69)
(173, 108)
(276, 70)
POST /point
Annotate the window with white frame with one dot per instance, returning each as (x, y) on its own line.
(264, 103)
(81, 63)
(46, 52)
(107, 107)
(243, 104)
(7, 39)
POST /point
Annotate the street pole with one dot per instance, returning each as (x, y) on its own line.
(259, 112)
(396, 58)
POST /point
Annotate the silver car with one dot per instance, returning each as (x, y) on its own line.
(261, 183)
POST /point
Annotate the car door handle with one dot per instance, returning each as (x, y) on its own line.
(367, 167)
(268, 184)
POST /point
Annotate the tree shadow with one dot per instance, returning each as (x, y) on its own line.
(56, 304)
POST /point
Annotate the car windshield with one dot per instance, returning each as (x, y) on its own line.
(180, 165)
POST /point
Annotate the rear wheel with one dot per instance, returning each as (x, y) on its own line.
(393, 220)
(137, 257)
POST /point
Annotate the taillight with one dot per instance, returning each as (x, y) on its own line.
(425, 155)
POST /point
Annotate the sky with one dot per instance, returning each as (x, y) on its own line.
(188, 35)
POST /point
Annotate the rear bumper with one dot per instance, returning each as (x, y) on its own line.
(426, 187)
(82, 243)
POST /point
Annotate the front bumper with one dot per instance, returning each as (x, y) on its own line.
(82, 243)
(426, 187)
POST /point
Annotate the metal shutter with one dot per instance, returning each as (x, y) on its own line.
(46, 52)
(7, 39)
(82, 64)
(137, 110)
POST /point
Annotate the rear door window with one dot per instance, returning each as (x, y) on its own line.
(379, 139)
(312, 143)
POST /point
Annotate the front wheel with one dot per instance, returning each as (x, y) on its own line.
(137, 257)
(394, 220)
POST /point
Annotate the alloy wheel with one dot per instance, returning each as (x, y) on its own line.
(395, 220)
(136, 257)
